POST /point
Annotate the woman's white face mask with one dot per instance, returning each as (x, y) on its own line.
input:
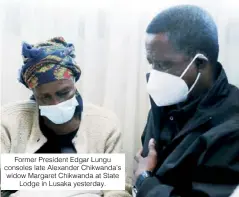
(60, 113)
(167, 89)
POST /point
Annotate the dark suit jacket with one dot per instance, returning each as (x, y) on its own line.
(197, 145)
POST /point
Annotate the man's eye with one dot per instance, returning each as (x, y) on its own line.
(162, 67)
(157, 66)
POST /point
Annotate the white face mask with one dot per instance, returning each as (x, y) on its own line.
(60, 113)
(166, 89)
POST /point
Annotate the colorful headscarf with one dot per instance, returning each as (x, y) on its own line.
(47, 62)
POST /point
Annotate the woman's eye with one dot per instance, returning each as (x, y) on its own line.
(45, 97)
(63, 93)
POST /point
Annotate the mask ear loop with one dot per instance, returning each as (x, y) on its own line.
(186, 70)
(199, 74)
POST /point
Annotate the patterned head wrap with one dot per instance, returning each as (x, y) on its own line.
(47, 62)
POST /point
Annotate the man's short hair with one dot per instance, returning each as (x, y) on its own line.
(190, 29)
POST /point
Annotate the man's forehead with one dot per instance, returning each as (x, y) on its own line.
(159, 48)
(151, 38)
(158, 43)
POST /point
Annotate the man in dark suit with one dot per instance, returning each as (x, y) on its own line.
(191, 139)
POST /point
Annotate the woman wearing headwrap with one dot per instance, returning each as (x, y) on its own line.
(54, 120)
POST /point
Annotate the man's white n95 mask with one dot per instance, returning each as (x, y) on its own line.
(167, 89)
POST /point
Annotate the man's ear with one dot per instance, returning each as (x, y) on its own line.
(201, 63)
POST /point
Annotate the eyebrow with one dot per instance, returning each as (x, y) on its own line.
(64, 89)
(160, 61)
(166, 61)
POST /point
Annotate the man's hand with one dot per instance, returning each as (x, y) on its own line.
(145, 163)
